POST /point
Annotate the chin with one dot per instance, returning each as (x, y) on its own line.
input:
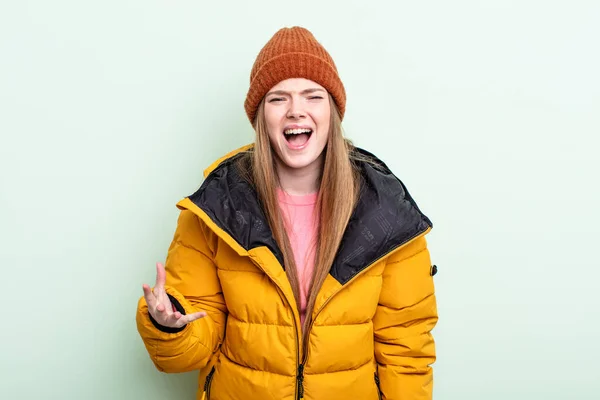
(299, 161)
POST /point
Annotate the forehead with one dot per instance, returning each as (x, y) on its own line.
(296, 85)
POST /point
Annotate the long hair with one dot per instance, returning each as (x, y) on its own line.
(338, 192)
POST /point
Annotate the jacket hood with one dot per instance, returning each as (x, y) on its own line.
(385, 216)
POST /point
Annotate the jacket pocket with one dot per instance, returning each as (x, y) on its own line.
(378, 386)
(207, 384)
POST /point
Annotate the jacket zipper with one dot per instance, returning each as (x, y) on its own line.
(300, 371)
(299, 390)
(378, 386)
(305, 352)
(206, 394)
(300, 381)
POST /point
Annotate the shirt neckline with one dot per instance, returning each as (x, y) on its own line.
(297, 200)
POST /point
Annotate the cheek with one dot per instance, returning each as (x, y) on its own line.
(322, 116)
(323, 122)
(273, 121)
(271, 132)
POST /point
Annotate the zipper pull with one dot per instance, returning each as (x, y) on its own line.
(301, 381)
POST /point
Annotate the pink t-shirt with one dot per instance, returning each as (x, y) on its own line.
(299, 216)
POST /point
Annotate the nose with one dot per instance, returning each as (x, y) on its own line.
(295, 111)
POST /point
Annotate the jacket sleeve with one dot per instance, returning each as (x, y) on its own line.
(193, 285)
(405, 316)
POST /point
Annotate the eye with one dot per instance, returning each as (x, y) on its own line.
(275, 99)
(315, 98)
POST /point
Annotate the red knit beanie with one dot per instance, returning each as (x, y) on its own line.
(293, 53)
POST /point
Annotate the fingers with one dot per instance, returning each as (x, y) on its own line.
(149, 296)
(147, 290)
(161, 315)
(176, 319)
(159, 305)
(160, 276)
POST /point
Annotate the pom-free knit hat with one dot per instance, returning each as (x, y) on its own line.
(292, 53)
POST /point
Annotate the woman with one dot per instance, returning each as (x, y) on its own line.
(300, 268)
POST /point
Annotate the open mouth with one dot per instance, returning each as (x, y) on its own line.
(297, 137)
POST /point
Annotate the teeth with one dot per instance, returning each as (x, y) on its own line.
(296, 131)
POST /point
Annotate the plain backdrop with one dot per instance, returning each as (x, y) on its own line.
(487, 110)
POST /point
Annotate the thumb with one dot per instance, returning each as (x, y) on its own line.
(186, 319)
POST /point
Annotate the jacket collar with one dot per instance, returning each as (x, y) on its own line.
(385, 217)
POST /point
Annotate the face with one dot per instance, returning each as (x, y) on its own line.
(297, 114)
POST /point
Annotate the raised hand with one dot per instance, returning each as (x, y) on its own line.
(160, 306)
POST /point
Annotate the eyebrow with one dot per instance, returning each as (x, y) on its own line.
(306, 91)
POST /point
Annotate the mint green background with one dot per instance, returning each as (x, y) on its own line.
(488, 111)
